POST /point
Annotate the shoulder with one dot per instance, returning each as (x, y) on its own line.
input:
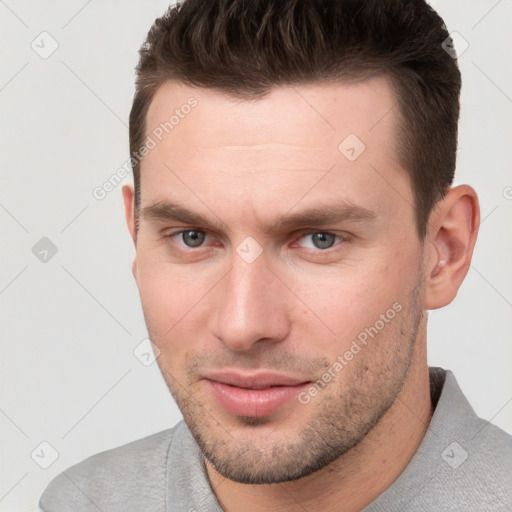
(485, 443)
(474, 469)
(473, 457)
(485, 454)
(463, 463)
(131, 474)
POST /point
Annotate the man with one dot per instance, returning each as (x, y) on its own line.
(293, 223)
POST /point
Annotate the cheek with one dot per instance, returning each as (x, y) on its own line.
(160, 282)
(157, 293)
(167, 322)
(165, 296)
(176, 302)
(342, 302)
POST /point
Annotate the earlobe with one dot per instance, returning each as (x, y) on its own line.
(453, 229)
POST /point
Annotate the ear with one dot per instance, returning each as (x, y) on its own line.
(452, 232)
(129, 213)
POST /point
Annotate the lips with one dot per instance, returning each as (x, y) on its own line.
(253, 395)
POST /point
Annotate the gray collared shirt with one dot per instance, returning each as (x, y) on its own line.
(464, 463)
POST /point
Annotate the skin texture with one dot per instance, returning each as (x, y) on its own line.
(296, 308)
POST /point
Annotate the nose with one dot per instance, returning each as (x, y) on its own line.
(250, 306)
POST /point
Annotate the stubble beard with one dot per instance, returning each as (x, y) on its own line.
(342, 417)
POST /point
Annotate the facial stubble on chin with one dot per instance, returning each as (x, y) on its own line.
(341, 421)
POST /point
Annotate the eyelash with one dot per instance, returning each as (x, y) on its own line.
(342, 238)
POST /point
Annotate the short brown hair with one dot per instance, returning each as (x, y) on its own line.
(244, 48)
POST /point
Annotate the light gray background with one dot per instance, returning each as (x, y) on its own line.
(69, 326)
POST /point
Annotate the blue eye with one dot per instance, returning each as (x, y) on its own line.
(317, 240)
(321, 240)
(192, 237)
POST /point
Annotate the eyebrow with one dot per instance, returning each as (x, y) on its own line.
(316, 216)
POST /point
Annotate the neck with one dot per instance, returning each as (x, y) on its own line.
(361, 474)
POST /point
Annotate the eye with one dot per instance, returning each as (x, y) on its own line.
(322, 240)
(319, 240)
(190, 237)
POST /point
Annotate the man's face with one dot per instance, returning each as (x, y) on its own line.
(282, 342)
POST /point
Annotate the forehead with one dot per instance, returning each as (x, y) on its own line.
(274, 148)
(315, 115)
